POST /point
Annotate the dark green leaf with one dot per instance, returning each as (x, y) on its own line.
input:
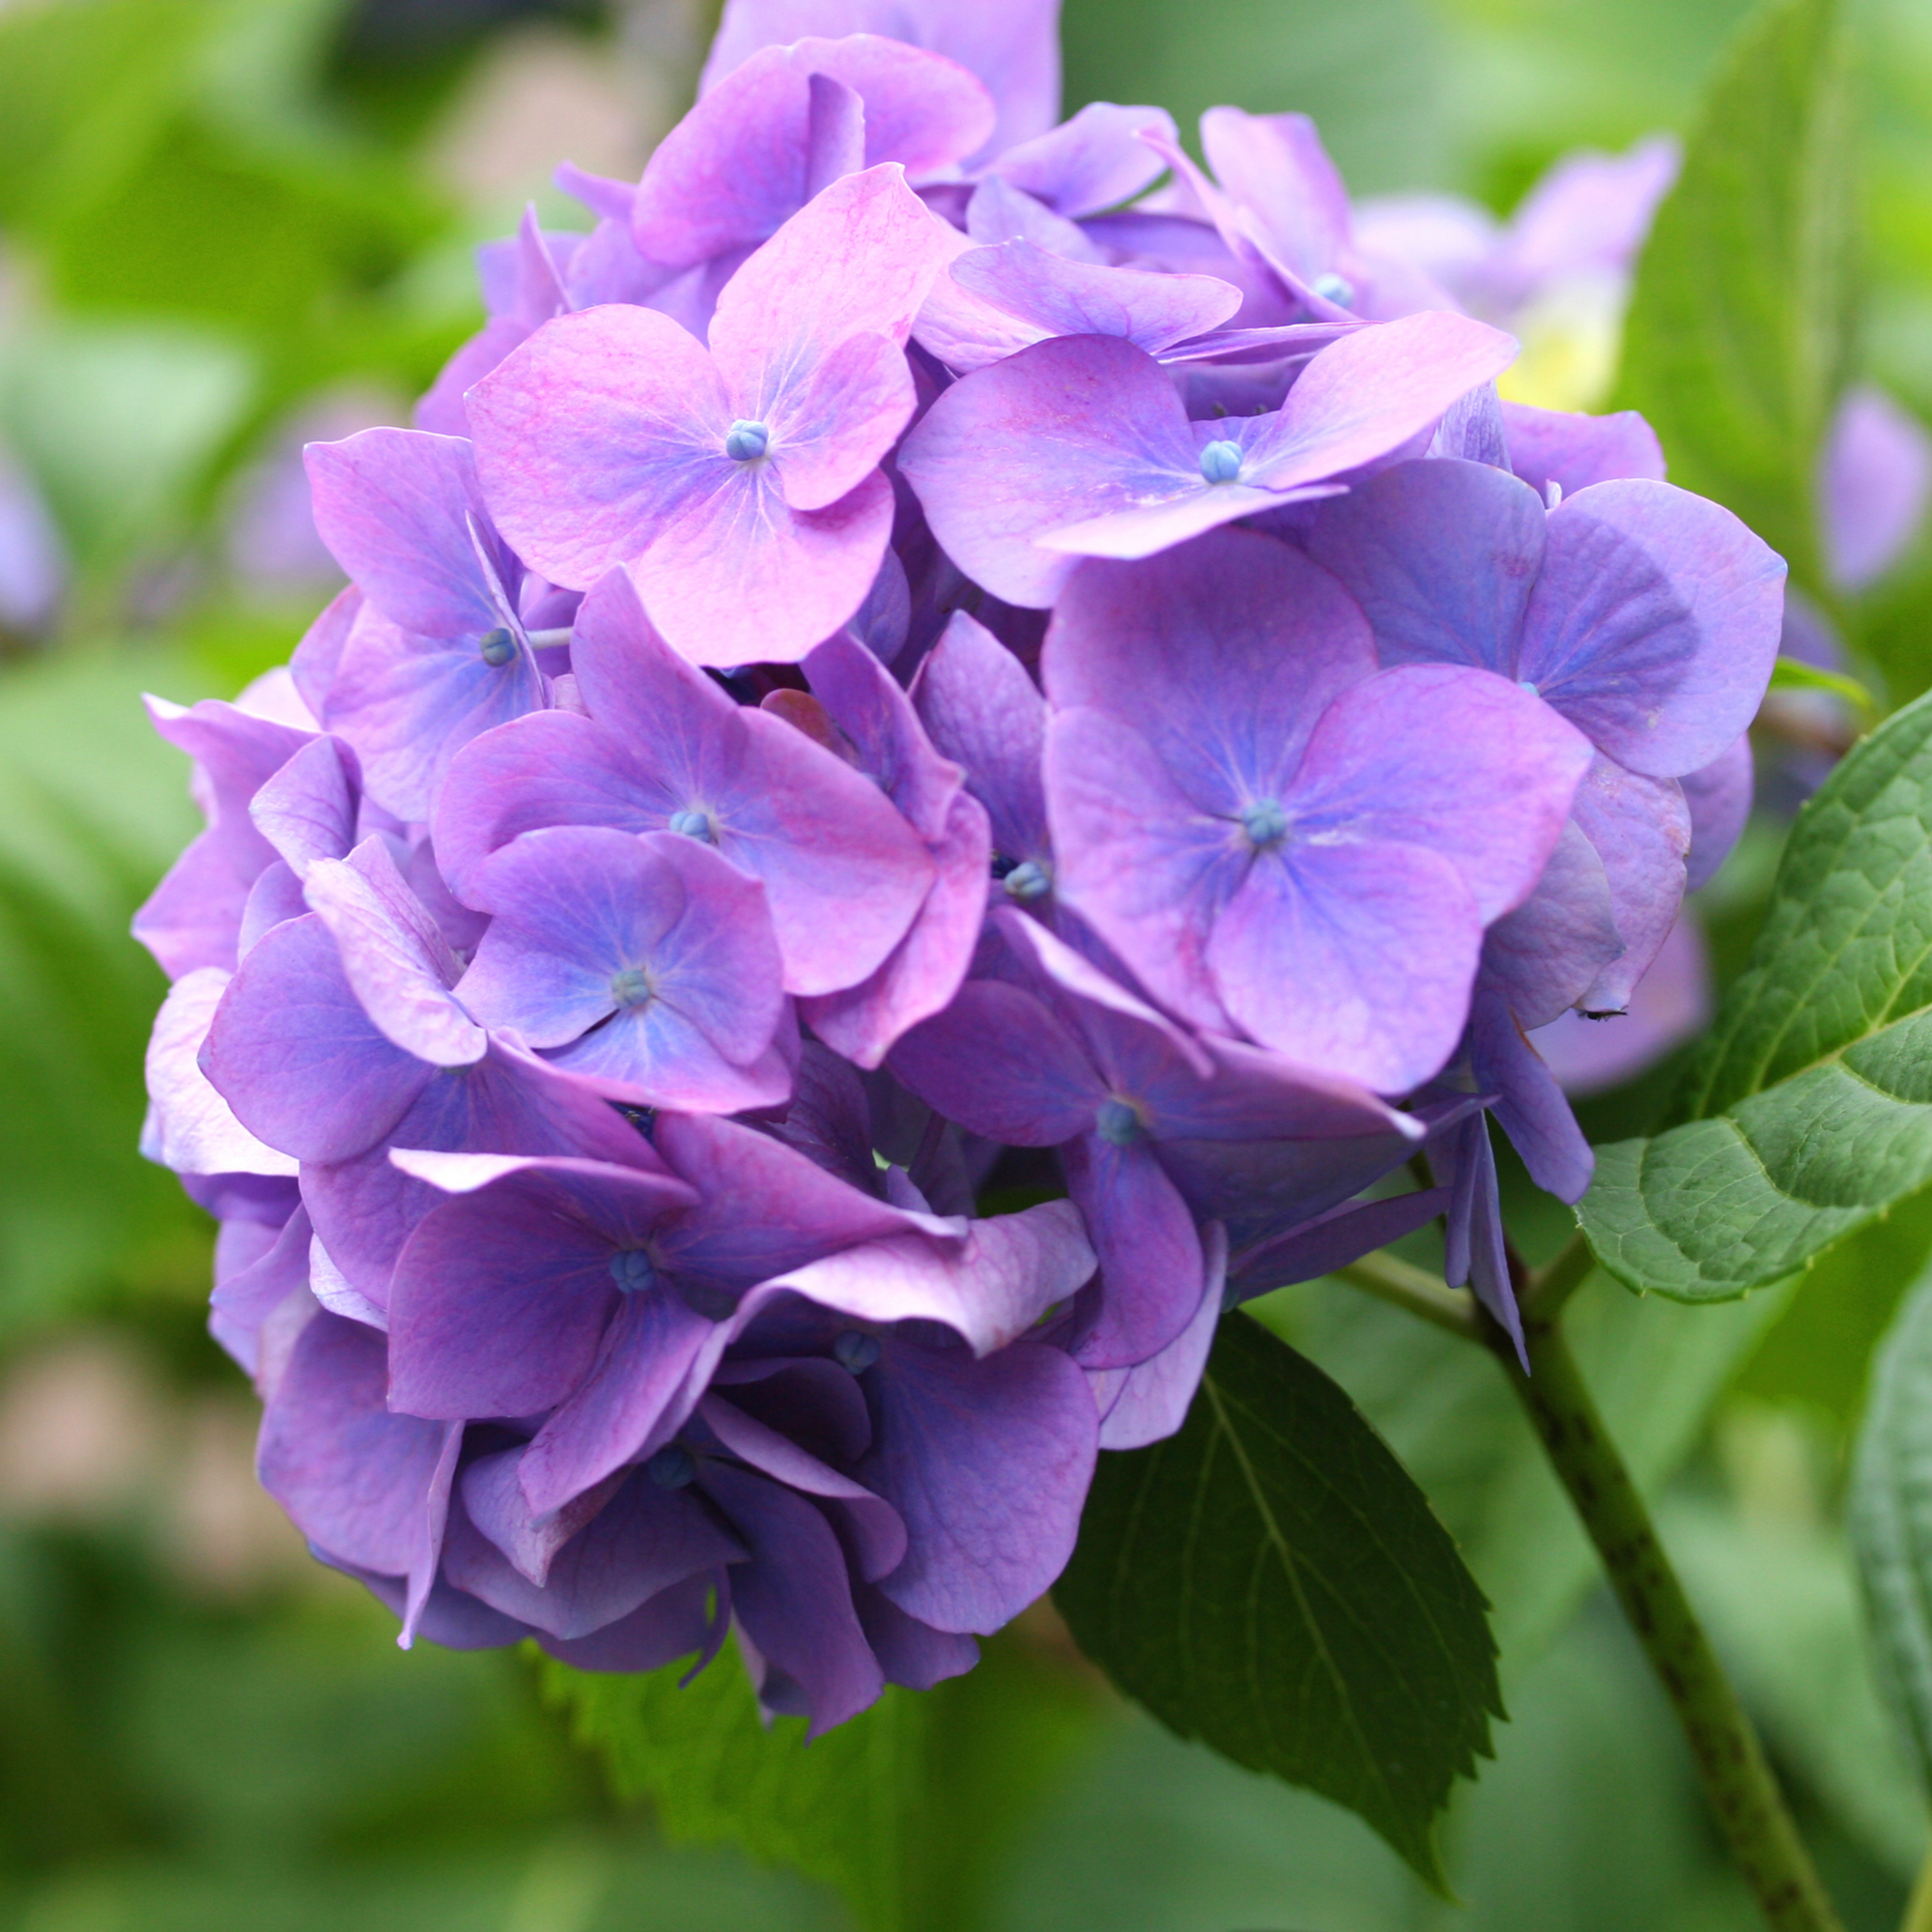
(1271, 1582)
(1809, 1110)
(903, 1809)
(1891, 1515)
(1736, 338)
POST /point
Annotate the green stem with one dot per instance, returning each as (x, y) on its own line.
(1763, 1840)
(1550, 1288)
(1918, 1913)
(1416, 1290)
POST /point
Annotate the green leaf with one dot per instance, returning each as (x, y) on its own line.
(1807, 1111)
(1271, 1582)
(1890, 1516)
(1736, 338)
(903, 1811)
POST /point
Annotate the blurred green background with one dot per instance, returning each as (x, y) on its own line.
(229, 226)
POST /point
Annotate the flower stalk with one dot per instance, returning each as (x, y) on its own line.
(1757, 1828)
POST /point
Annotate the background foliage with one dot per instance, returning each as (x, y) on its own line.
(223, 220)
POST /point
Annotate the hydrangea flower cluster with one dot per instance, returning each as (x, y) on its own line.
(907, 641)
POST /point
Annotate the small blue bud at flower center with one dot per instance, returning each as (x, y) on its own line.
(1334, 288)
(497, 648)
(856, 1352)
(1221, 461)
(671, 1467)
(1118, 1124)
(633, 1270)
(1527, 684)
(1029, 880)
(746, 441)
(688, 824)
(1264, 823)
(631, 987)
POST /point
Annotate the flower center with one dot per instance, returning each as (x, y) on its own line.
(1263, 824)
(497, 648)
(1118, 1122)
(632, 987)
(1334, 288)
(691, 824)
(746, 441)
(671, 1467)
(1029, 880)
(856, 1352)
(633, 1270)
(1221, 461)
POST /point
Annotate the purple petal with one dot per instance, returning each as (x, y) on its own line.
(1548, 446)
(1221, 655)
(592, 437)
(293, 1052)
(193, 918)
(803, 1211)
(409, 703)
(509, 1102)
(794, 1597)
(1064, 431)
(1334, 1239)
(1150, 1252)
(356, 1479)
(1718, 796)
(920, 974)
(1093, 160)
(674, 1623)
(877, 1537)
(737, 167)
(909, 1652)
(393, 955)
(501, 1298)
(1529, 1105)
(1641, 831)
(1014, 46)
(1148, 1401)
(1143, 864)
(1060, 297)
(307, 810)
(190, 1127)
(1372, 391)
(1550, 950)
(988, 1462)
(739, 577)
(1441, 555)
(1274, 166)
(1654, 624)
(397, 507)
(1000, 1064)
(857, 260)
(975, 698)
(312, 667)
(1457, 760)
(643, 1540)
(577, 907)
(990, 1290)
(874, 713)
(1356, 959)
(1671, 1004)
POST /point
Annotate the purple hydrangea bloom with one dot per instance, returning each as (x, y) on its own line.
(1080, 447)
(438, 651)
(1280, 841)
(825, 734)
(661, 748)
(739, 484)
